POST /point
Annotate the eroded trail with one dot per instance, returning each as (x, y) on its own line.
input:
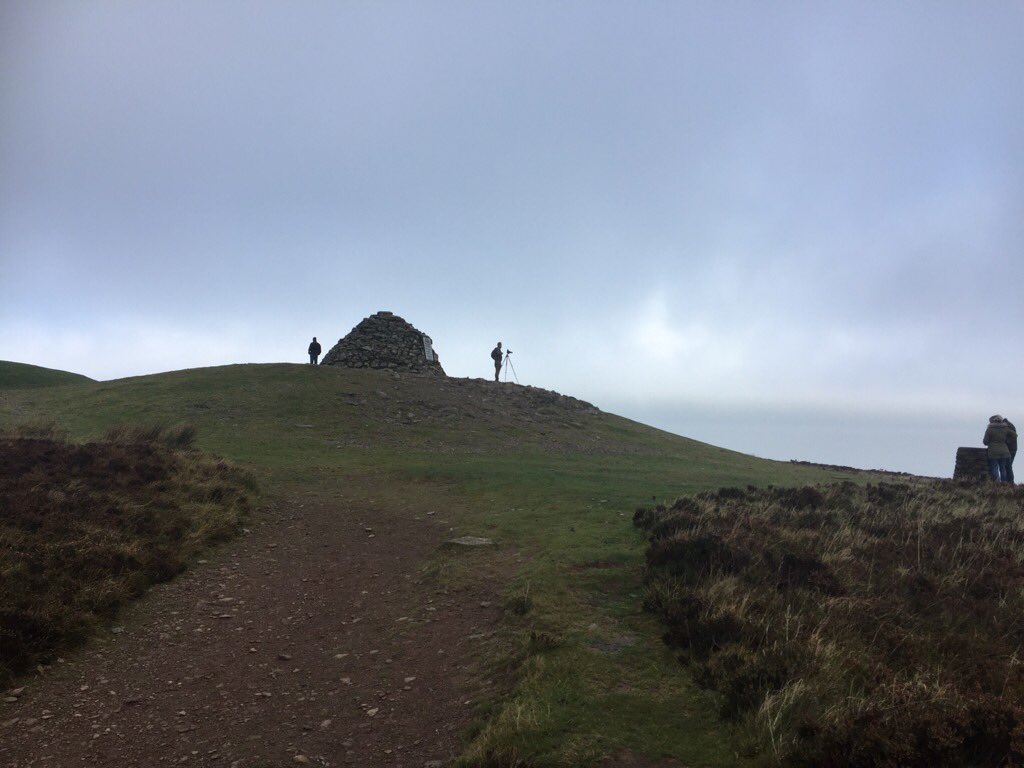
(308, 640)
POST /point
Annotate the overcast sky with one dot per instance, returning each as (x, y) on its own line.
(746, 222)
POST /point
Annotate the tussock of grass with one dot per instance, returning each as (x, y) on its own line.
(852, 626)
(85, 528)
(178, 436)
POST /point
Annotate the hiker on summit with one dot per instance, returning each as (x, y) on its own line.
(997, 436)
(496, 357)
(314, 351)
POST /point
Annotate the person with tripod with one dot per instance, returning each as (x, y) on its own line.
(496, 357)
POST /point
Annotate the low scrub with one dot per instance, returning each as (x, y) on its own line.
(848, 625)
(85, 528)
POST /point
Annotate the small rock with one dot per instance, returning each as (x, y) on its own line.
(300, 759)
(471, 541)
(372, 712)
(325, 723)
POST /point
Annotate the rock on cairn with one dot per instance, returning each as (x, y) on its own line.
(385, 340)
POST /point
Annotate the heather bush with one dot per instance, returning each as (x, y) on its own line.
(852, 626)
(85, 528)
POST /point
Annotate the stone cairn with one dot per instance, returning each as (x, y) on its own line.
(971, 464)
(386, 341)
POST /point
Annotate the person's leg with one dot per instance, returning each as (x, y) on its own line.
(993, 469)
(497, 370)
(1009, 469)
(1004, 469)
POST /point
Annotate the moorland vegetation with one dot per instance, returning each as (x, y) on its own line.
(87, 527)
(869, 625)
(849, 625)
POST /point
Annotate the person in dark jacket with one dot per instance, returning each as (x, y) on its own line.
(314, 351)
(996, 437)
(1011, 443)
(496, 357)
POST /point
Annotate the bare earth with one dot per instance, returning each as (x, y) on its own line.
(309, 640)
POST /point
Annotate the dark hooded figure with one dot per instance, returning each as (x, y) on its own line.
(496, 357)
(997, 435)
(314, 351)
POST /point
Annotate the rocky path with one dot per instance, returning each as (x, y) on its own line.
(312, 639)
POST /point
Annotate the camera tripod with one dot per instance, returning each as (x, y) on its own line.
(508, 365)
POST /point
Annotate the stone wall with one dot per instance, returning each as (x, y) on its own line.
(971, 464)
(386, 341)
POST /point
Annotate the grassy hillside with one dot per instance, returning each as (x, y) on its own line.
(551, 480)
(23, 376)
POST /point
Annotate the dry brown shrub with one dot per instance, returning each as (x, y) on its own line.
(852, 626)
(87, 527)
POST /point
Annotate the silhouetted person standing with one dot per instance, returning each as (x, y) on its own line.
(1011, 443)
(496, 357)
(314, 351)
(996, 437)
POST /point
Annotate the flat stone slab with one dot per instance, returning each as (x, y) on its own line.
(471, 541)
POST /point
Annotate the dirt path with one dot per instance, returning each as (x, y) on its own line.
(309, 640)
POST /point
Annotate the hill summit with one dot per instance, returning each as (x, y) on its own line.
(385, 340)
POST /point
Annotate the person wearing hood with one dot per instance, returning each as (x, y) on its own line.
(997, 435)
(314, 351)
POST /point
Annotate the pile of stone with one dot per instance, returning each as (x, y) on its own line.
(971, 464)
(386, 341)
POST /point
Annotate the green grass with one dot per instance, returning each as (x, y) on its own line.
(25, 376)
(584, 672)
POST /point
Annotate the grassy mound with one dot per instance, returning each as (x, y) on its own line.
(579, 670)
(87, 527)
(849, 625)
(24, 376)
